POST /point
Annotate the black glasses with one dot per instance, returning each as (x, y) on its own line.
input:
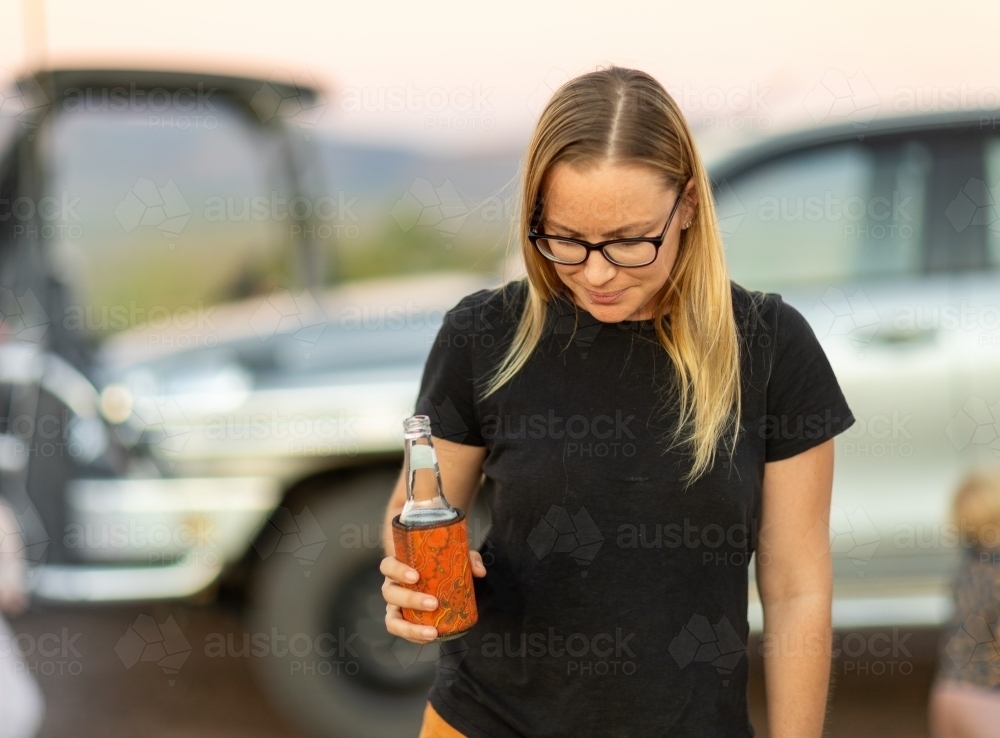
(624, 252)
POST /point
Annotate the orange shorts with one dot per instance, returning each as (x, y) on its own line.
(435, 727)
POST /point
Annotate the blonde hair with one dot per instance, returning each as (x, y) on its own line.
(976, 507)
(624, 116)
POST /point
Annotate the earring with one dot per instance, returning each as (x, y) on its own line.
(687, 225)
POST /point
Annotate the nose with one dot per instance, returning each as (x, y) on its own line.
(597, 269)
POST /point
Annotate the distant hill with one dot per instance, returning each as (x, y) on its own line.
(380, 175)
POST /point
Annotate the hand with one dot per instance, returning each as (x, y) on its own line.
(398, 596)
(13, 594)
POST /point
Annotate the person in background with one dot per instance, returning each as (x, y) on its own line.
(21, 704)
(965, 697)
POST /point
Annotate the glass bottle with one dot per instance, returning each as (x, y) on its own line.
(425, 500)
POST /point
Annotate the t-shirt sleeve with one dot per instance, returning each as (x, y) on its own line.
(446, 389)
(805, 405)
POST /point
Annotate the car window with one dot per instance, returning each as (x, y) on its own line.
(160, 220)
(829, 215)
(987, 210)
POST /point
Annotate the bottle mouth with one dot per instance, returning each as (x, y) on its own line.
(399, 522)
(416, 426)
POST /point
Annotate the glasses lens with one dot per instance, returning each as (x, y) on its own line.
(631, 253)
(565, 251)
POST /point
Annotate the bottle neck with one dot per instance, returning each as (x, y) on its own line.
(425, 500)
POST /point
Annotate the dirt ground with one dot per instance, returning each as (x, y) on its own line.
(879, 692)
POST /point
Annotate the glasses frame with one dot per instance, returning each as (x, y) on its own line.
(657, 241)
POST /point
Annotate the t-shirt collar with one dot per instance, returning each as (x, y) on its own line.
(563, 306)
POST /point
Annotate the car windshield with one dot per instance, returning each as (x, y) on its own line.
(155, 218)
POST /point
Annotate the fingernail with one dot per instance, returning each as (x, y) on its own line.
(430, 633)
(429, 602)
(412, 576)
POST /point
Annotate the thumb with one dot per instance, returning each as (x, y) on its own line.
(478, 568)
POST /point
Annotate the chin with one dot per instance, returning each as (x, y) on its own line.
(611, 313)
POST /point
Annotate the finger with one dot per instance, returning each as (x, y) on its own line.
(397, 626)
(13, 605)
(395, 594)
(397, 570)
(478, 567)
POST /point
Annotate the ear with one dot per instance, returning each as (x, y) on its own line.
(689, 207)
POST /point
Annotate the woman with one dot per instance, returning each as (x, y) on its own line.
(965, 696)
(643, 424)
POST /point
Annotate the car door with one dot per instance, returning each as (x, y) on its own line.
(972, 220)
(841, 231)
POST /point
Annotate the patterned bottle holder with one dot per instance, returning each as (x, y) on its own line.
(440, 553)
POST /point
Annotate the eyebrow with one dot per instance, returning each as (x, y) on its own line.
(609, 234)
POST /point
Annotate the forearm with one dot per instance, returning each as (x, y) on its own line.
(394, 508)
(796, 647)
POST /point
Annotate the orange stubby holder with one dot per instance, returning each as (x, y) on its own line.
(440, 553)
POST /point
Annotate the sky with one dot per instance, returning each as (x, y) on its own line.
(471, 77)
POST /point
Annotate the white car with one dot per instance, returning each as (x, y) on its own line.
(887, 238)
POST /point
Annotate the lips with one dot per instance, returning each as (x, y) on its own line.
(605, 298)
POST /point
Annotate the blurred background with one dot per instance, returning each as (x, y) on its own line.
(229, 232)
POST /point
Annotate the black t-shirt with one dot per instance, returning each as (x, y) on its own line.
(615, 601)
